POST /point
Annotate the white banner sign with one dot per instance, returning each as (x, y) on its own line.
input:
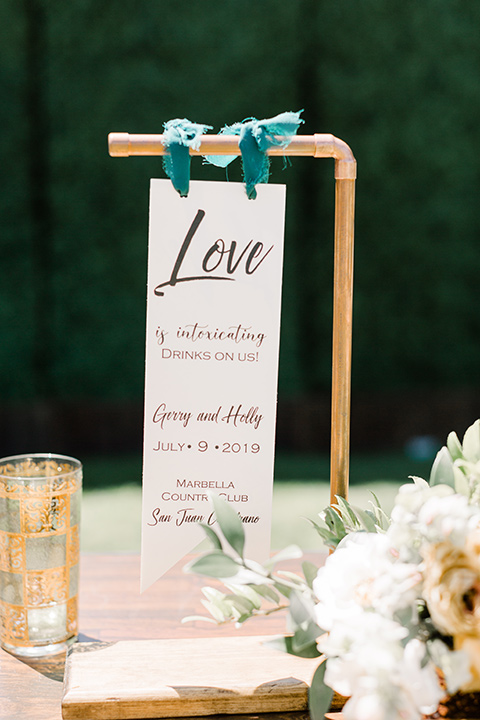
(213, 321)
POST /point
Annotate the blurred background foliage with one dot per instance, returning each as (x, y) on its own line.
(398, 80)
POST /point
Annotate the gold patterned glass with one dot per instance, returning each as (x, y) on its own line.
(40, 498)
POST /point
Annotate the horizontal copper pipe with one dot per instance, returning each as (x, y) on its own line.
(320, 145)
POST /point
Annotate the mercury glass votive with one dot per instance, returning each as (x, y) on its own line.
(40, 498)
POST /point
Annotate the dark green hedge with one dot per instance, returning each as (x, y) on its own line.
(399, 81)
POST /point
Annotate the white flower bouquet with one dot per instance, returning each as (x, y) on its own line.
(394, 614)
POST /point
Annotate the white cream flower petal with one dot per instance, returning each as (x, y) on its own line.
(374, 580)
(368, 706)
(421, 682)
(455, 665)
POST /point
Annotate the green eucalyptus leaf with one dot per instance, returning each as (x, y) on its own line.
(301, 620)
(212, 535)
(442, 469)
(318, 528)
(301, 609)
(282, 589)
(310, 572)
(248, 592)
(319, 695)
(471, 442)
(217, 613)
(285, 644)
(465, 466)
(326, 517)
(305, 638)
(222, 602)
(335, 522)
(237, 614)
(217, 599)
(419, 482)
(247, 577)
(267, 592)
(292, 552)
(242, 618)
(348, 515)
(214, 564)
(293, 577)
(230, 524)
(196, 618)
(213, 594)
(381, 518)
(255, 567)
(329, 539)
(242, 604)
(461, 482)
(365, 519)
(454, 446)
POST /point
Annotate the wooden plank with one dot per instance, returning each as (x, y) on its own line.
(26, 693)
(183, 678)
(112, 608)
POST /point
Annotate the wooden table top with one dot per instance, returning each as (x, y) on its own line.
(112, 609)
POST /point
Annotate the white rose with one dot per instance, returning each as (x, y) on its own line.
(452, 587)
(364, 572)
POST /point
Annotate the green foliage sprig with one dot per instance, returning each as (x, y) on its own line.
(458, 464)
(253, 589)
(341, 518)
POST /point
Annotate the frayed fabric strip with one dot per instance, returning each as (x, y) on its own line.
(178, 137)
(256, 137)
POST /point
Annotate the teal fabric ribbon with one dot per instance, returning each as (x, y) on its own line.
(178, 137)
(256, 137)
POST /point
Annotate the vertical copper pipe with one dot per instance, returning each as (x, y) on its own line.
(342, 337)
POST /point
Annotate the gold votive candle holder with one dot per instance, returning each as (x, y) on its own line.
(40, 498)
